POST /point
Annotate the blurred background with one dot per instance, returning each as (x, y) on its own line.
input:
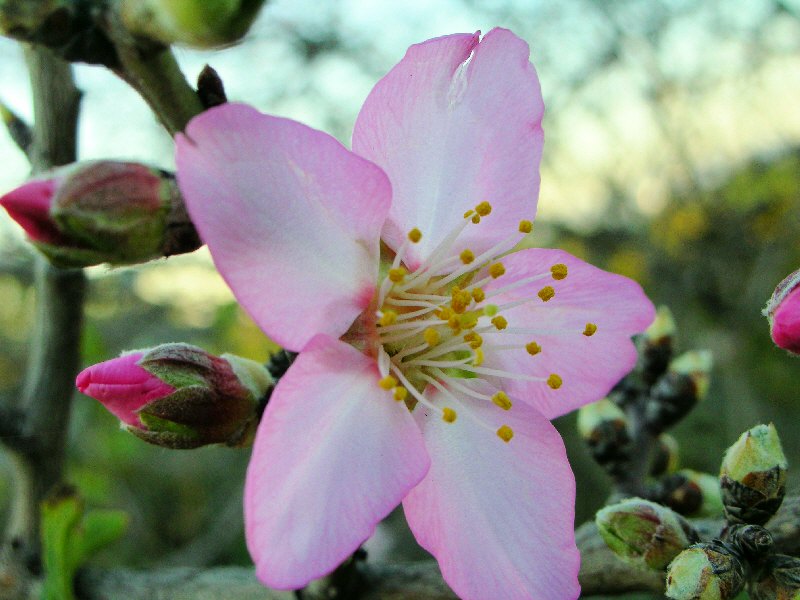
(672, 156)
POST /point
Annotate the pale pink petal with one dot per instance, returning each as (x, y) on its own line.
(334, 454)
(292, 218)
(499, 517)
(589, 366)
(122, 386)
(451, 134)
(29, 205)
(785, 328)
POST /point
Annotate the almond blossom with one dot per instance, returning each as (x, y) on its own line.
(432, 358)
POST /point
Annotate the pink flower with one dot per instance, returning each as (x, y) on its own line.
(783, 312)
(483, 348)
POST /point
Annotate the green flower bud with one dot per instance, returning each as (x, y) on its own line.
(666, 456)
(198, 23)
(604, 427)
(105, 211)
(780, 580)
(691, 493)
(753, 476)
(705, 572)
(678, 391)
(656, 345)
(644, 533)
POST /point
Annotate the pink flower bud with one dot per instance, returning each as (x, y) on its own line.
(105, 211)
(179, 396)
(783, 312)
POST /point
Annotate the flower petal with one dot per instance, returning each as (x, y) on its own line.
(292, 218)
(497, 516)
(588, 365)
(29, 205)
(122, 386)
(334, 454)
(451, 134)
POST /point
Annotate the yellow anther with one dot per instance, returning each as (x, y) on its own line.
(454, 323)
(400, 393)
(505, 433)
(496, 270)
(469, 213)
(397, 275)
(474, 340)
(476, 218)
(387, 318)
(467, 256)
(478, 295)
(500, 322)
(444, 313)
(431, 336)
(414, 235)
(533, 348)
(483, 209)
(461, 300)
(559, 271)
(387, 382)
(554, 381)
(478, 360)
(590, 329)
(502, 400)
(448, 415)
(546, 293)
(525, 226)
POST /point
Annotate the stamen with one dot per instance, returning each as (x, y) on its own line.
(496, 270)
(478, 295)
(476, 218)
(533, 348)
(400, 393)
(590, 330)
(546, 293)
(502, 400)
(483, 209)
(505, 433)
(467, 256)
(469, 213)
(397, 275)
(554, 381)
(388, 317)
(448, 415)
(500, 322)
(559, 271)
(432, 337)
(478, 357)
(474, 340)
(387, 382)
(525, 226)
(415, 235)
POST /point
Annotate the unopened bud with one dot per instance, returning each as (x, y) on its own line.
(604, 427)
(666, 456)
(678, 391)
(753, 476)
(644, 533)
(106, 211)
(753, 542)
(179, 396)
(783, 312)
(197, 23)
(780, 581)
(657, 345)
(708, 571)
(691, 493)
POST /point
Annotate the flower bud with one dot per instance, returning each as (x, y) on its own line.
(644, 533)
(753, 476)
(708, 571)
(656, 345)
(783, 312)
(90, 213)
(753, 542)
(666, 456)
(690, 493)
(179, 396)
(604, 427)
(198, 23)
(780, 581)
(678, 391)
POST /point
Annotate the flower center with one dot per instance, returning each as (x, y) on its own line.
(437, 325)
